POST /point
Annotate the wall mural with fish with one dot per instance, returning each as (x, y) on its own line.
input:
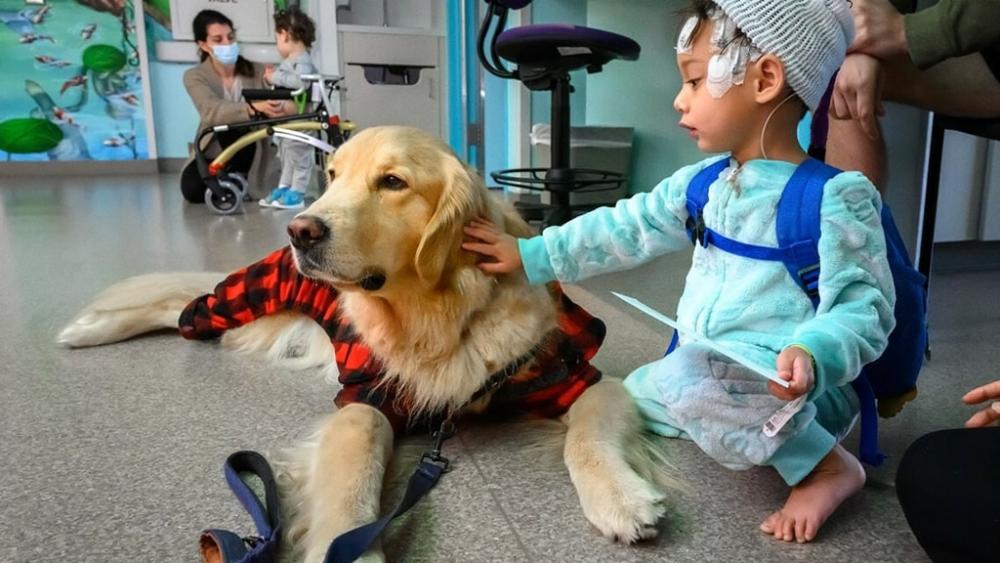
(71, 87)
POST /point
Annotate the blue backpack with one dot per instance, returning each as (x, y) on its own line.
(885, 384)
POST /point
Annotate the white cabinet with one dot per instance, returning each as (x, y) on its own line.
(963, 163)
(392, 79)
(989, 220)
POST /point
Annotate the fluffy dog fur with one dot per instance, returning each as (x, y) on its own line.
(439, 325)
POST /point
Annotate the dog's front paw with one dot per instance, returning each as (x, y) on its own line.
(624, 507)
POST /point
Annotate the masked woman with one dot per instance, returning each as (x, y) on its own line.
(216, 87)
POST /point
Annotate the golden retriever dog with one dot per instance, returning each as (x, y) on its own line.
(386, 235)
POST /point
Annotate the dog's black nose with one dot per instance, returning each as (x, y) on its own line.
(306, 231)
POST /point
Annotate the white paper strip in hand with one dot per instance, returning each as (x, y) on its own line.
(691, 334)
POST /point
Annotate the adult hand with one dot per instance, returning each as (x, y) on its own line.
(989, 415)
(858, 92)
(879, 29)
(274, 108)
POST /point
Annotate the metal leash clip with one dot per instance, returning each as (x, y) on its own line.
(443, 433)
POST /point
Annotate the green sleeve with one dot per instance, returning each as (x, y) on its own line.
(952, 28)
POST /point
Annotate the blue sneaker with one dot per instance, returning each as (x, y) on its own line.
(291, 199)
(274, 196)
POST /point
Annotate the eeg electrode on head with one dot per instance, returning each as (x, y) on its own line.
(810, 37)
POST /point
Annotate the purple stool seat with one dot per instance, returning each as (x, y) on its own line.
(564, 46)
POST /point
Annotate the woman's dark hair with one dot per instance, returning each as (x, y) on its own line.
(297, 24)
(200, 25)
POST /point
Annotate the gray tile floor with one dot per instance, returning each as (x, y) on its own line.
(114, 453)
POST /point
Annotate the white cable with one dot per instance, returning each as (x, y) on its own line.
(768, 120)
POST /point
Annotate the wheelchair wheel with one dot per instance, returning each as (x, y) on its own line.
(237, 178)
(226, 203)
(240, 181)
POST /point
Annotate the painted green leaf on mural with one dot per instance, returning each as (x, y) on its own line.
(28, 135)
(103, 58)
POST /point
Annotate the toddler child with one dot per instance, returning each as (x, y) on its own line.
(295, 34)
(750, 70)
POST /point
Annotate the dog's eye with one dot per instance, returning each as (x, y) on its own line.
(330, 175)
(390, 182)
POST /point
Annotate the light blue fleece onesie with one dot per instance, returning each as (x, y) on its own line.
(752, 306)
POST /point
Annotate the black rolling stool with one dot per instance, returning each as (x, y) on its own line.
(985, 128)
(545, 54)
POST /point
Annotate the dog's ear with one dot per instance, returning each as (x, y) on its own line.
(462, 198)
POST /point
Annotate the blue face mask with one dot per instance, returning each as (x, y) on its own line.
(226, 54)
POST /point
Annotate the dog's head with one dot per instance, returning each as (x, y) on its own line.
(392, 214)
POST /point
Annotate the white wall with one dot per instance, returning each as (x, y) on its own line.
(175, 116)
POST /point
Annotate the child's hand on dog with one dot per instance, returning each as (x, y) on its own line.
(493, 243)
(794, 365)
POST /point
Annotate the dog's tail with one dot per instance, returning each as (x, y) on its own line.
(135, 306)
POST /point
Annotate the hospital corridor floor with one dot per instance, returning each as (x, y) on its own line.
(114, 454)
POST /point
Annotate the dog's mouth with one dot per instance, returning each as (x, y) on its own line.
(371, 279)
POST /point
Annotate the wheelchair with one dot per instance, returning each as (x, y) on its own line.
(220, 185)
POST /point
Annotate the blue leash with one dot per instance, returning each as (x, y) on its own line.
(223, 546)
(353, 544)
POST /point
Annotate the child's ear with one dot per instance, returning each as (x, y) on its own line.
(769, 79)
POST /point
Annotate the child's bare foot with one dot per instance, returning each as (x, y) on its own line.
(838, 476)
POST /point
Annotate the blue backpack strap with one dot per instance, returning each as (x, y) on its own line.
(221, 546)
(798, 226)
(674, 341)
(798, 223)
(868, 449)
(697, 198)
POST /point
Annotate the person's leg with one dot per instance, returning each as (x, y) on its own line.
(296, 172)
(284, 179)
(287, 158)
(848, 147)
(641, 384)
(304, 165)
(822, 473)
(948, 486)
(961, 87)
